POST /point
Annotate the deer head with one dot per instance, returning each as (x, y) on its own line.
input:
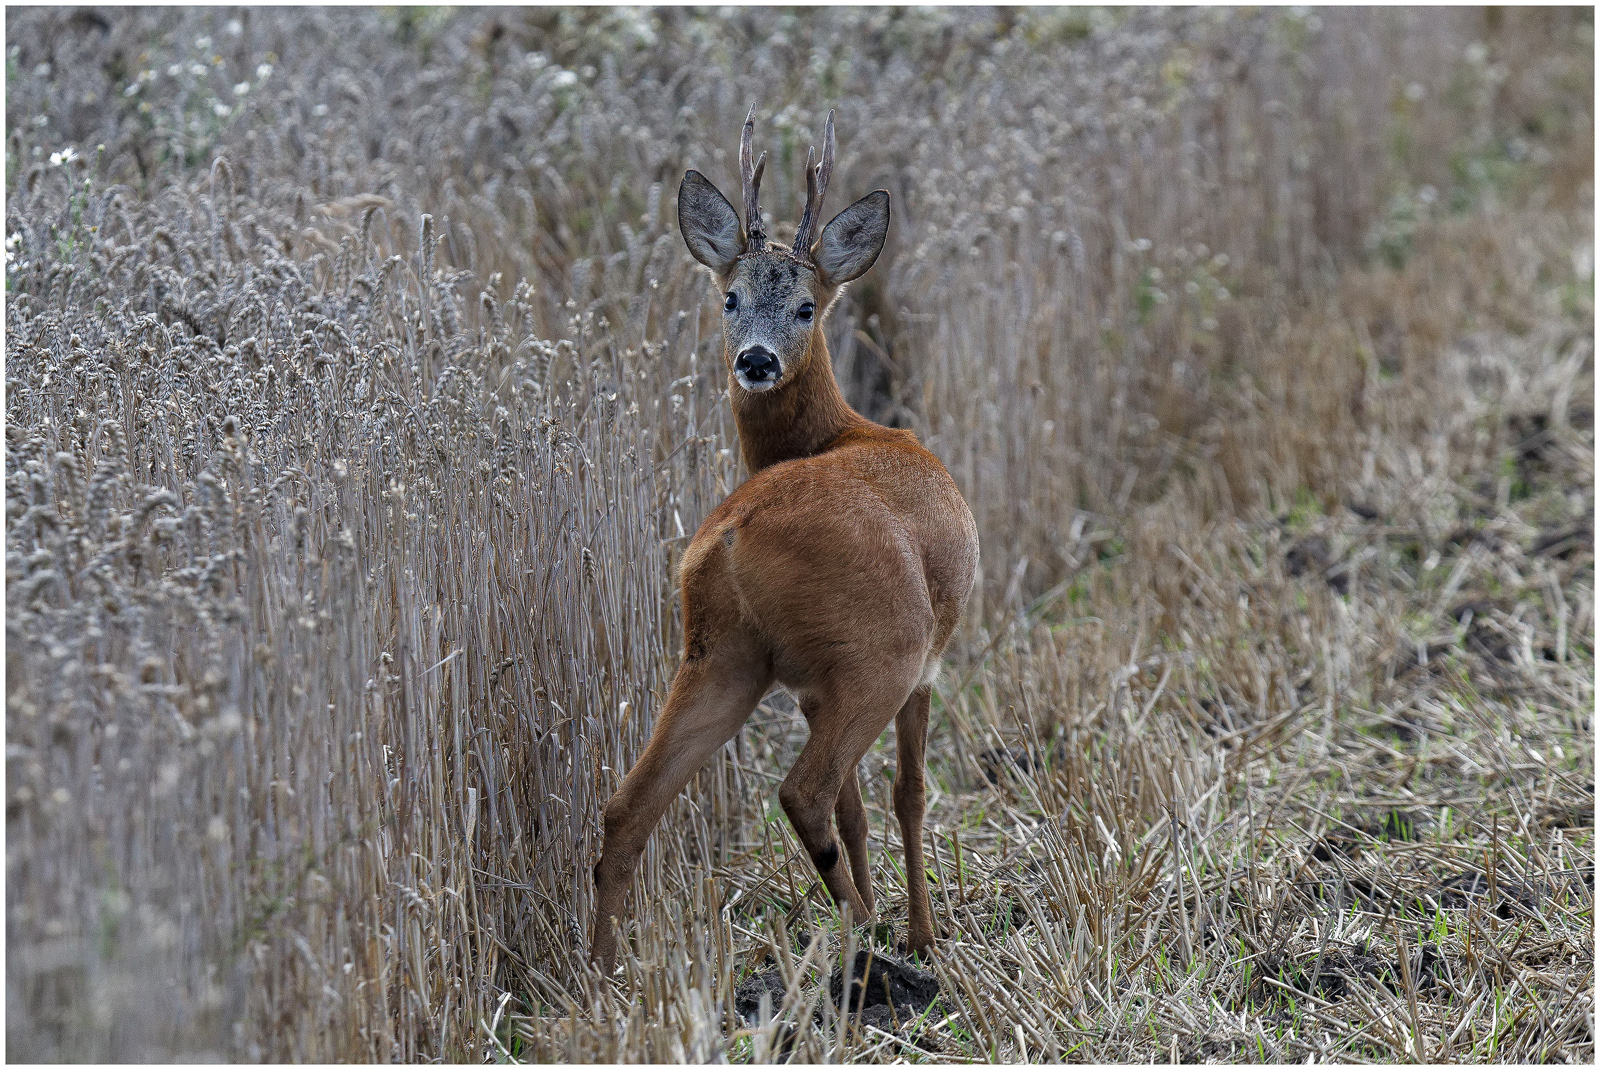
(774, 298)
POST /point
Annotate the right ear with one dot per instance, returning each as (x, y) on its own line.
(853, 240)
(709, 225)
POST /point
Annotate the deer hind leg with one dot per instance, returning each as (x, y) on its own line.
(851, 816)
(910, 801)
(711, 698)
(842, 728)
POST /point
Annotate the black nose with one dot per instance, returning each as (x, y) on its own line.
(757, 364)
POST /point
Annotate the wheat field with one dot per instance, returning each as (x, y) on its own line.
(361, 398)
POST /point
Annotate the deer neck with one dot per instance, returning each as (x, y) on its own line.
(800, 420)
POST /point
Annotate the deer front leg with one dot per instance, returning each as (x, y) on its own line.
(709, 701)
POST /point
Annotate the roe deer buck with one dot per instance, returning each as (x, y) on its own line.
(838, 569)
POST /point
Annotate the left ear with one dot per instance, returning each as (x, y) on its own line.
(851, 242)
(709, 225)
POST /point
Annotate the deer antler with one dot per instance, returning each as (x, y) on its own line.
(816, 188)
(755, 233)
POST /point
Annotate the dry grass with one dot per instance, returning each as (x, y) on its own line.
(353, 432)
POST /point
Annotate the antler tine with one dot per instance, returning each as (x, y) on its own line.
(755, 233)
(816, 189)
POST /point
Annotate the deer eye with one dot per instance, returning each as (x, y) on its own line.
(806, 311)
(732, 302)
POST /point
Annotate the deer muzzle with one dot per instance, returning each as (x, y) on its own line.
(757, 368)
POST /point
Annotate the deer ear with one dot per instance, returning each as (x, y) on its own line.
(708, 223)
(851, 242)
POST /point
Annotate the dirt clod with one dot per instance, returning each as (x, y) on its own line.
(885, 987)
(747, 997)
(1330, 975)
(1564, 542)
(1506, 894)
(998, 762)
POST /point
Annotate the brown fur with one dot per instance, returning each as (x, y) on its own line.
(838, 569)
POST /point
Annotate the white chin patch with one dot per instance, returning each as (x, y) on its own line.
(756, 388)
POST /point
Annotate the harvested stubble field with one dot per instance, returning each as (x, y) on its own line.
(361, 396)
